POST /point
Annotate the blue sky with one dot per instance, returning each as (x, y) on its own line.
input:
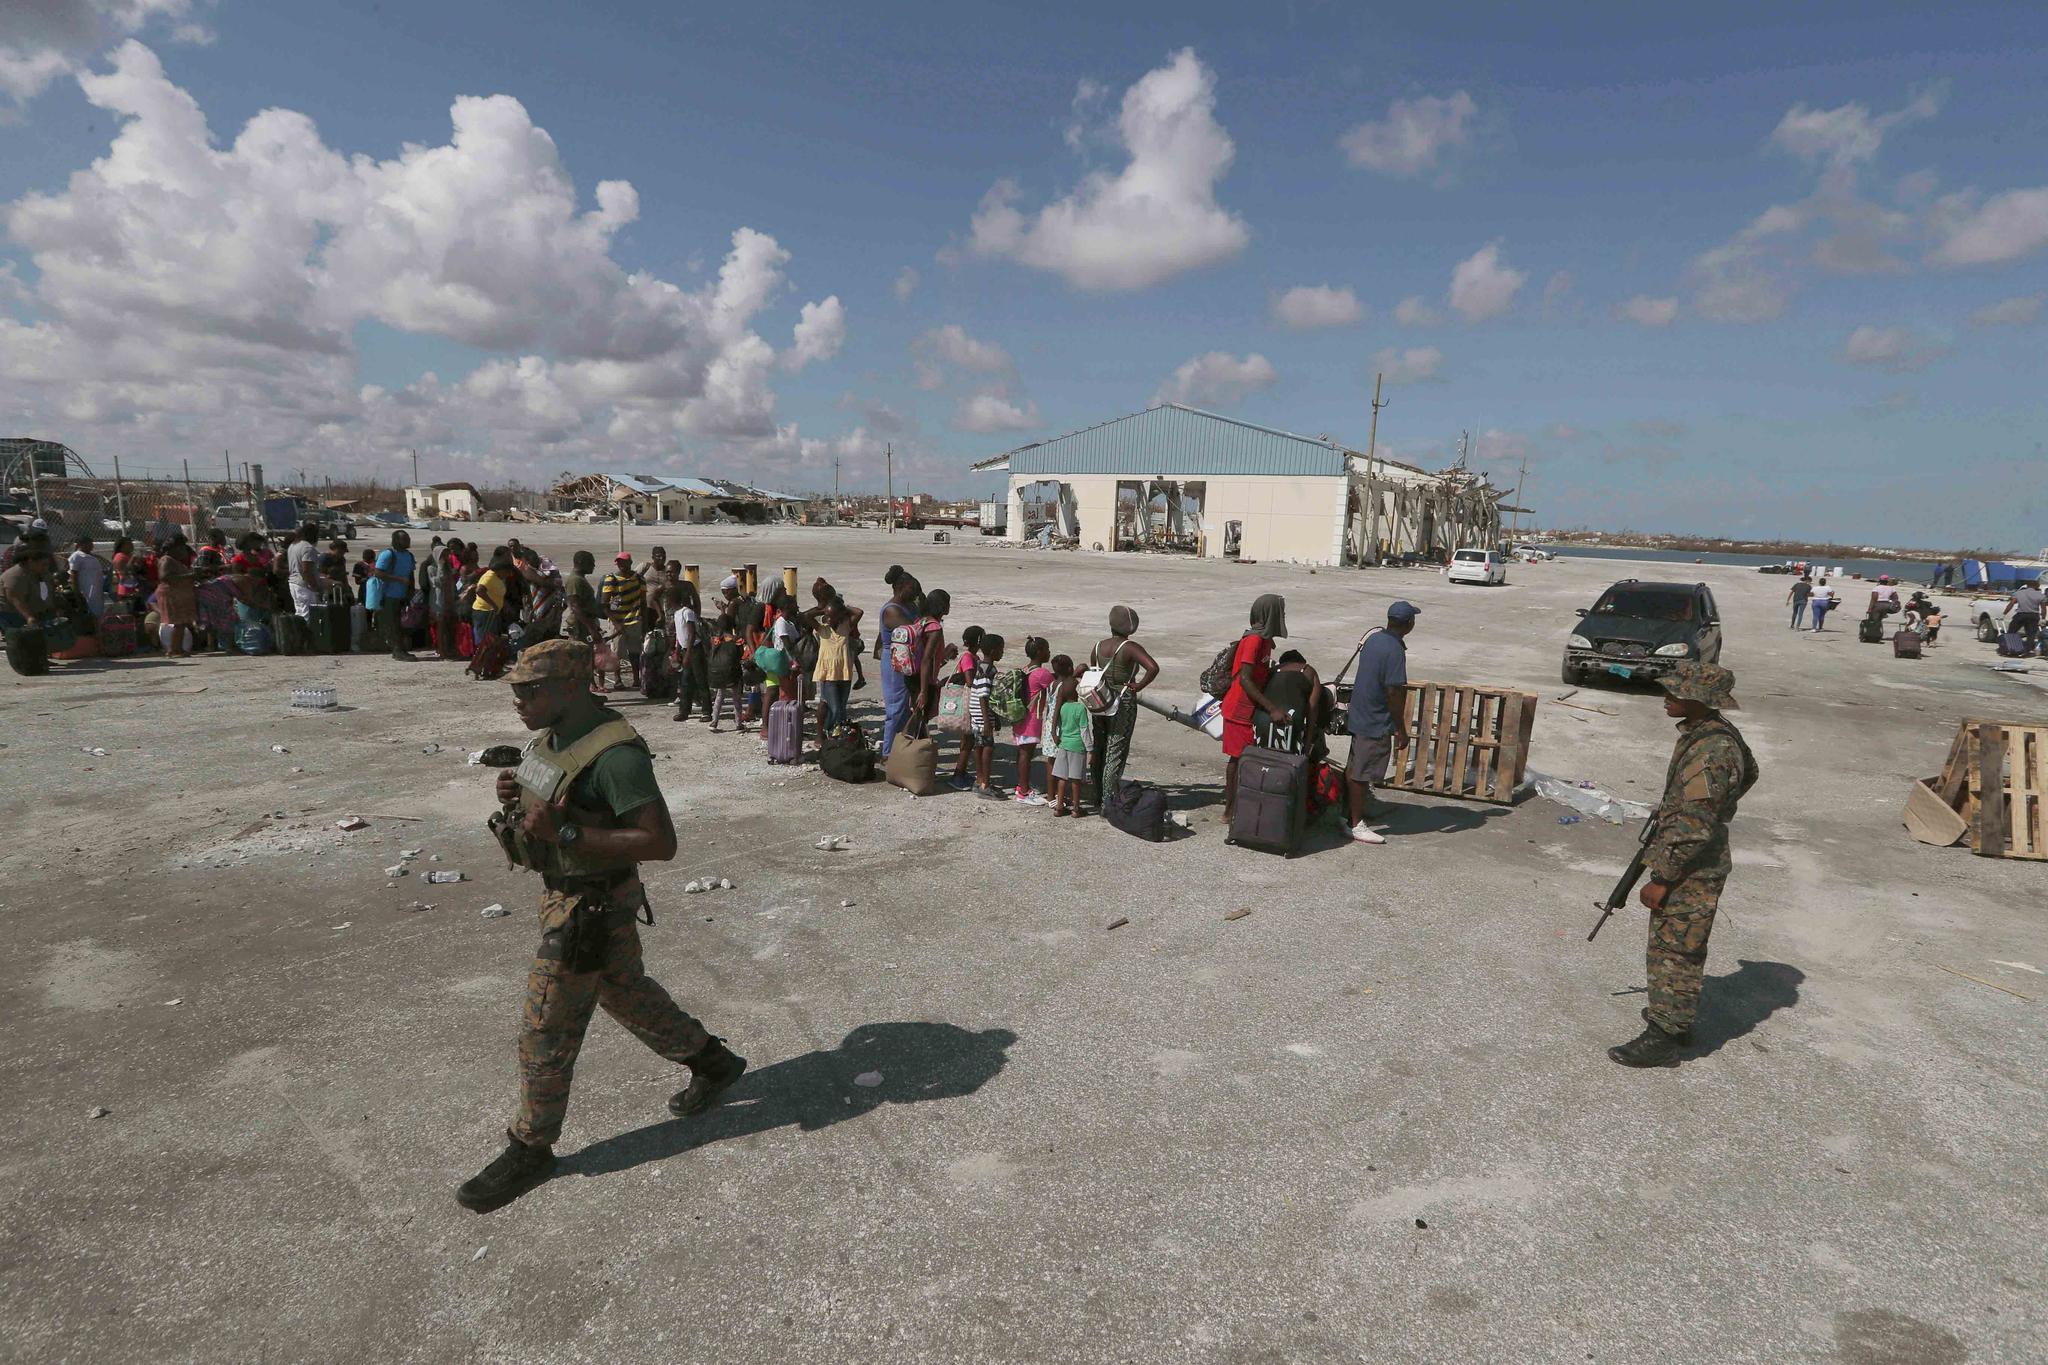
(1719, 270)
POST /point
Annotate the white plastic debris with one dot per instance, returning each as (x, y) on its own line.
(832, 843)
(870, 1079)
(476, 759)
(98, 1111)
(298, 770)
(846, 905)
(406, 855)
(175, 1000)
(692, 888)
(725, 883)
(395, 870)
(1179, 819)
(1588, 800)
(433, 857)
(493, 911)
(439, 878)
(351, 823)
(96, 753)
(417, 906)
(430, 748)
(337, 928)
(479, 1254)
(279, 749)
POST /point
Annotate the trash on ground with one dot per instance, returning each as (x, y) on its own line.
(99, 1111)
(1614, 810)
(692, 888)
(314, 697)
(1238, 913)
(416, 907)
(725, 883)
(279, 749)
(2022, 995)
(337, 928)
(832, 843)
(870, 1079)
(351, 823)
(846, 905)
(406, 855)
(1179, 819)
(430, 748)
(476, 759)
(479, 1254)
(96, 753)
(395, 870)
(441, 878)
(491, 911)
(1117, 923)
(175, 1000)
(1567, 819)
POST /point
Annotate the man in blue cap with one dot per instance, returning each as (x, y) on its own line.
(1378, 714)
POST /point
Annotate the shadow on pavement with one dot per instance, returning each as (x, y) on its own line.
(1733, 1005)
(915, 1061)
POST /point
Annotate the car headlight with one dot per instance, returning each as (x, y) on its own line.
(1580, 642)
(1673, 651)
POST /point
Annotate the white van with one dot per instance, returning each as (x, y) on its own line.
(1478, 566)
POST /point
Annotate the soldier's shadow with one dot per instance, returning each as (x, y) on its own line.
(874, 1065)
(1733, 1005)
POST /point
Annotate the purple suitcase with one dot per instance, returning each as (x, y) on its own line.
(786, 732)
(1272, 800)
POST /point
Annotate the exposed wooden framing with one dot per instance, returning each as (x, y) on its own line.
(1996, 782)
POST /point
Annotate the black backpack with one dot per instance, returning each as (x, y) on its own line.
(722, 664)
(844, 755)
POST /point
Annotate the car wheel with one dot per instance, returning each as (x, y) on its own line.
(1987, 630)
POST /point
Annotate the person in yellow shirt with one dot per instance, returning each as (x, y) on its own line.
(493, 589)
(624, 594)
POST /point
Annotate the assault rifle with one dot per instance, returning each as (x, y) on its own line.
(1630, 875)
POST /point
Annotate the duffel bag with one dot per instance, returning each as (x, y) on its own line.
(913, 765)
(845, 757)
(1138, 810)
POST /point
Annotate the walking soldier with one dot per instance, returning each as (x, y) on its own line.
(1687, 855)
(583, 809)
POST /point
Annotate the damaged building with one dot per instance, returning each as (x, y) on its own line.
(1177, 479)
(656, 498)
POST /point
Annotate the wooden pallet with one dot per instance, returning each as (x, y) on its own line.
(1466, 742)
(1996, 782)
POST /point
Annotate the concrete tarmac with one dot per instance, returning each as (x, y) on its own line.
(1372, 1120)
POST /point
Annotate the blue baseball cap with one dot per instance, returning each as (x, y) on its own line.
(1403, 611)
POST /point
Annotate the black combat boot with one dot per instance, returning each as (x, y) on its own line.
(711, 1071)
(1652, 1047)
(517, 1169)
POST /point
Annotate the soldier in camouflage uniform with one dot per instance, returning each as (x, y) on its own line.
(1687, 855)
(584, 810)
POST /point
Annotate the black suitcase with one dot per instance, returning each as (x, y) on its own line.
(1139, 810)
(28, 651)
(1906, 645)
(329, 625)
(291, 633)
(1870, 630)
(1272, 800)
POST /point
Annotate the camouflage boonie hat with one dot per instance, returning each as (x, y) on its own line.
(1708, 683)
(552, 659)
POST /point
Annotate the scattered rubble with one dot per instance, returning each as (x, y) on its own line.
(351, 823)
(494, 911)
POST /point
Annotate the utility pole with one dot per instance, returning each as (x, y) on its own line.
(835, 483)
(889, 454)
(1517, 513)
(1372, 488)
(415, 466)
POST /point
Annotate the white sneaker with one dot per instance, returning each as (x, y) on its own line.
(1365, 834)
(1034, 799)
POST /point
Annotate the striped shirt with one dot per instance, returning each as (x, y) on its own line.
(624, 597)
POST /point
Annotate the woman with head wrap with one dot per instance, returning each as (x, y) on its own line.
(1128, 669)
(1250, 666)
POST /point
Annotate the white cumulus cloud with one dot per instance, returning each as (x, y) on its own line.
(1309, 306)
(906, 283)
(2005, 227)
(41, 40)
(1154, 219)
(1413, 135)
(1415, 365)
(986, 412)
(1648, 312)
(1414, 312)
(2017, 311)
(1217, 380)
(1895, 349)
(1483, 285)
(819, 333)
(188, 294)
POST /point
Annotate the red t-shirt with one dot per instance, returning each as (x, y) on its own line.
(1256, 650)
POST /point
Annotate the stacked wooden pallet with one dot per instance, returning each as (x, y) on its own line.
(1993, 788)
(1467, 742)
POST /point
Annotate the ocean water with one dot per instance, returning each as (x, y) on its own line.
(1905, 570)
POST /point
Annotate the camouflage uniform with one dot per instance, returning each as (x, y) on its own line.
(585, 961)
(1711, 768)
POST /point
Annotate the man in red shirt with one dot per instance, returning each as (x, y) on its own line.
(1249, 669)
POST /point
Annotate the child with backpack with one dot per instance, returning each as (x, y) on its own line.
(723, 670)
(1031, 729)
(963, 672)
(1071, 734)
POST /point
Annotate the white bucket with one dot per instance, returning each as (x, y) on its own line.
(1209, 715)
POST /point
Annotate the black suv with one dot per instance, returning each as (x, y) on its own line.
(1639, 630)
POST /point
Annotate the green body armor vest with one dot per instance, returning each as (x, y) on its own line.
(548, 774)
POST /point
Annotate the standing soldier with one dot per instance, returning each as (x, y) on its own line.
(584, 810)
(1687, 855)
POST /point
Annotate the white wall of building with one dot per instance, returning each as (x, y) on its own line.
(1297, 520)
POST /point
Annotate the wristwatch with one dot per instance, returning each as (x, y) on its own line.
(567, 835)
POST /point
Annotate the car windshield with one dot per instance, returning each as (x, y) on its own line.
(1472, 554)
(1645, 604)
